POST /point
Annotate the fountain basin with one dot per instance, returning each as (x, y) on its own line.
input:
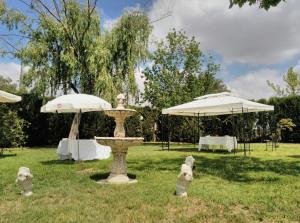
(119, 147)
(119, 143)
(116, 112)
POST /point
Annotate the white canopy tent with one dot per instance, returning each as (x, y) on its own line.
(75, 103)
(216, 104)
(6, 97)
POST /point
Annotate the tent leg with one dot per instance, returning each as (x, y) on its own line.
(233, 132)
(243, 131)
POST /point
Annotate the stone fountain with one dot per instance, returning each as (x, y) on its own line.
(119, 144)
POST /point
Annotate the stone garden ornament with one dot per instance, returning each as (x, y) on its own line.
(24, 180)
(185, 177)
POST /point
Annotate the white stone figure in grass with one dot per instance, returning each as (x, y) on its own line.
(24, 180)
(185, 177)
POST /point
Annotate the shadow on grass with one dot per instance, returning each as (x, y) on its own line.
(192, 149)
(294, 156)
(65, 162)
(7, 155)
(58, 162)
(103, 176)
(232, 168)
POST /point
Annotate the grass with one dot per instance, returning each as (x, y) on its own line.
(226, 188)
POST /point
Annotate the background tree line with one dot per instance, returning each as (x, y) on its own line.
(24, 125)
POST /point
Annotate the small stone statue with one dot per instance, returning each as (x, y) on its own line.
(24, 180)
(121, 100)
(185, 177)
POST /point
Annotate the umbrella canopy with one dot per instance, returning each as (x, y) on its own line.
(75, 103)
(9, 98)
(217, 104)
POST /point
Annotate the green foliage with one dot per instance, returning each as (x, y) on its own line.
(65, 46)
(292, 80)
(6, 84)
(128, 45)
(283, 125)
(177, 73)
(265, 4)
(12, 128)
(10, 18)
(48, 129)
(285, 117)
(286, 124)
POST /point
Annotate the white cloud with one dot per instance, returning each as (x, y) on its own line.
(140, 79)
(253, 85)
(297, 67)
(11, 70)
(246, 35)
(110, 23)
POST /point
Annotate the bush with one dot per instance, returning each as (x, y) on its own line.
(12, 128)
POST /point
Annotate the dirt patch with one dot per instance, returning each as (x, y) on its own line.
(86, 171)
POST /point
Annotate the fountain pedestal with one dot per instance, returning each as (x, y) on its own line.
(119, 144)
(119, 147)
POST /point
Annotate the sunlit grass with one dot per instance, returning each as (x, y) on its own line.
(226, 187)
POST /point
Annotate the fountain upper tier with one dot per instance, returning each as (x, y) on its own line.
(120, 113)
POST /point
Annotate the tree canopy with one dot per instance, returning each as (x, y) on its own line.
(292, 80)
(179, 72)
(64, 46)
(6, 84)
(265, 4)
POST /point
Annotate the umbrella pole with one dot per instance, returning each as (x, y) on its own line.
(162, 132)
(194, 132)
(198, 129)
(78, 120)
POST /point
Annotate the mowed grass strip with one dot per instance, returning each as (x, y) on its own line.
(226, 187)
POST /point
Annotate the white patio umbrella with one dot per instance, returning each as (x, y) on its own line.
(6, 97)
(75, 103)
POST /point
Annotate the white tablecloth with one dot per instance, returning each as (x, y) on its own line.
(89, 149)
(229, 142)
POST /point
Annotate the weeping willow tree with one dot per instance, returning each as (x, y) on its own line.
(128, 44)
(62, 43)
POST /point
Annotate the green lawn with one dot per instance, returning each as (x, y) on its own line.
(226, 187)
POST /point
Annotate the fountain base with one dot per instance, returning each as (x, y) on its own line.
(117, 179)
(119, 147)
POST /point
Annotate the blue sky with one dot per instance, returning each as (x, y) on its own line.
(251, 45)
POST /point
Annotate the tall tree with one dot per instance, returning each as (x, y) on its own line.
(265, 4)
(6, 84)
(292, 80)
(179, 72)
(128, 47)
(65, 46)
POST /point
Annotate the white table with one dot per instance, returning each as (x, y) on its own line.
(229, 142)
(88, 149)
